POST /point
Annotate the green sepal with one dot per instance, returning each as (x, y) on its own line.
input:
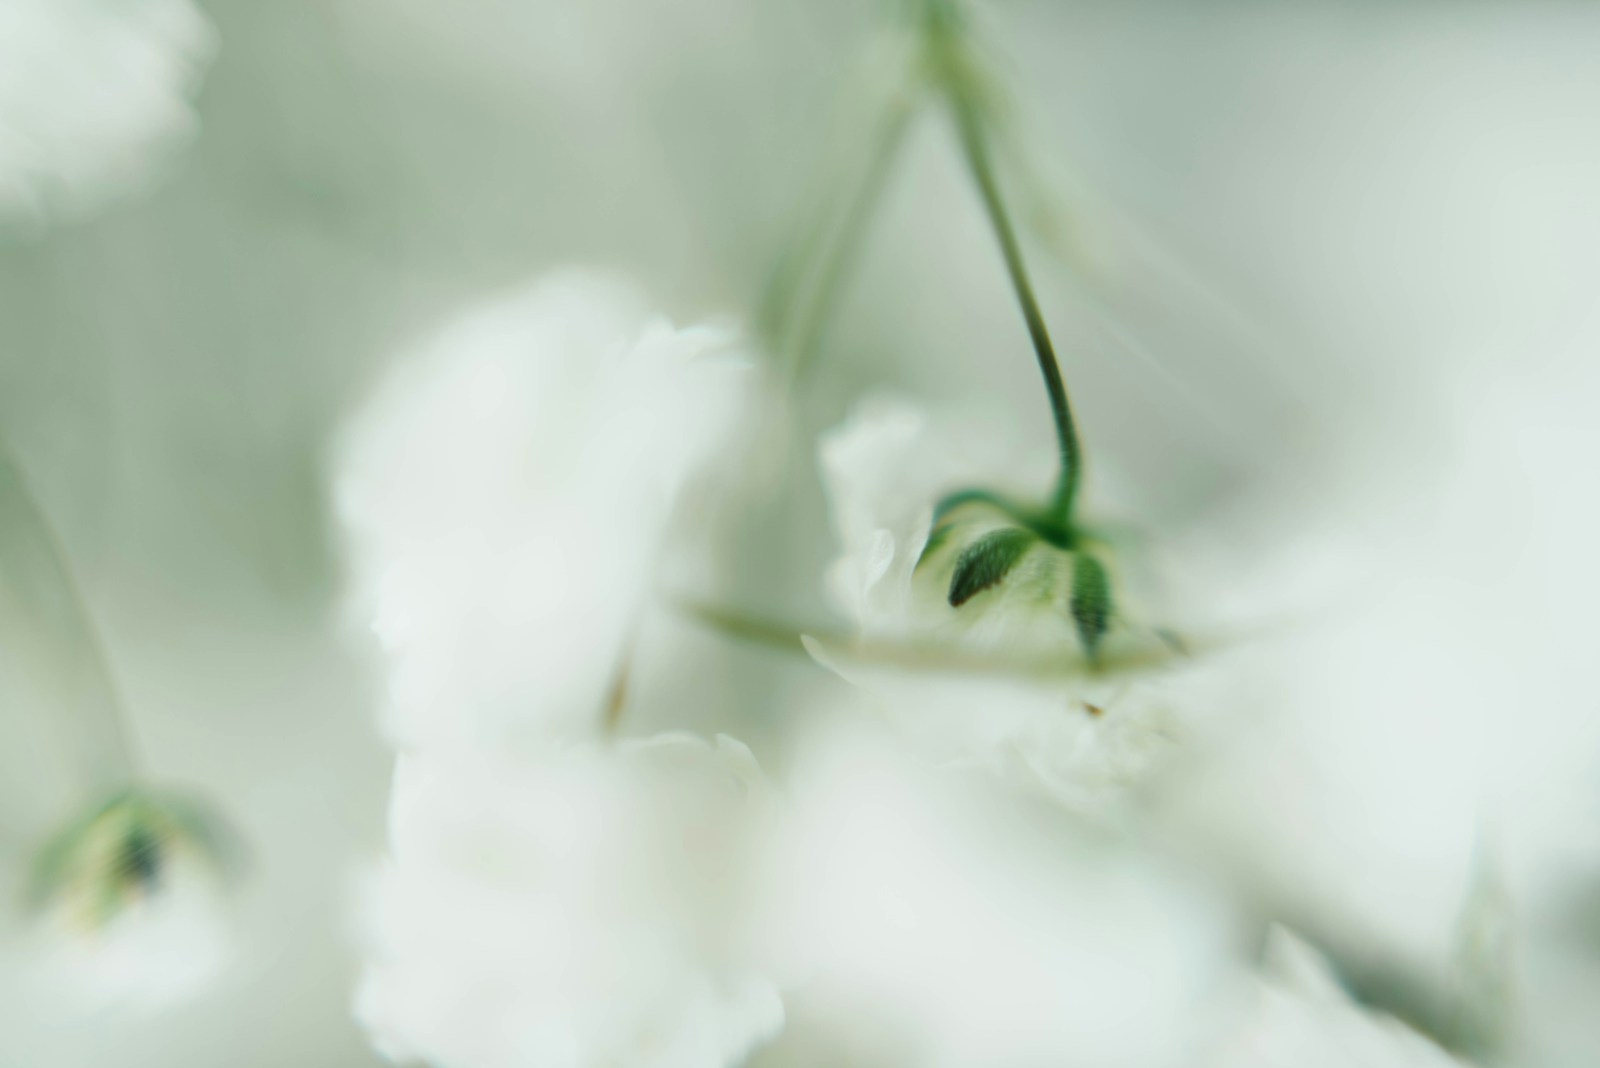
(1090, 602)
(944, 521)
(121, 850)
(1021, 513)
(987, 561)
(1018, 514)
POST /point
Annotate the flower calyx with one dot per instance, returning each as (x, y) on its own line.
(990, 542)
(126, 851)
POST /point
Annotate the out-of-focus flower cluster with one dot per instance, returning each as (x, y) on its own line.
(568, 908)
(94, 94)
(554, 895)
(133, 906)
(1004, 828)
(952, 882)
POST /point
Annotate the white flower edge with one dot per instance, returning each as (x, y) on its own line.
(1301, 1017)
(94, 99)
(927, 917)
(509, 491)
(579, 907)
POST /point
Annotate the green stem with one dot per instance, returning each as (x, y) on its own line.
(975, 148)
(779, 296)
(1159, 650)
(773, 634)
(36, 576)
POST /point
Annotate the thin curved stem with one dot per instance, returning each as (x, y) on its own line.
(35, 573)
(779, 296)
(805, 334)
(783, 636)
(974, 146)
(757, 630)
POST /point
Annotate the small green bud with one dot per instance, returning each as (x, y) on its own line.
(123, 852)
(1042, 559)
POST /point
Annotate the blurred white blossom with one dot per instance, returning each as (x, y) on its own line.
(550, 899)
(1302, 1018)
(133, 910)
(577, 909)
(938, 923)
(1084, 738)
(509, 492)
(94, 94)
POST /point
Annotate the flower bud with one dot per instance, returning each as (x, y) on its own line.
(130, 901)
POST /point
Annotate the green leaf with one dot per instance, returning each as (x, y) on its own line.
(987, 561)
(1091, 601)
(46, 627)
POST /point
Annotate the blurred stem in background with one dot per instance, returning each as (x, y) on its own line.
(799, 297)
(803, 336)
(943, 656)
(47, 623)
(125, 838)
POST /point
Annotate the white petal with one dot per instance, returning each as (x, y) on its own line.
(93, 94)
(580, 908)
(933, 921)
(509, 493)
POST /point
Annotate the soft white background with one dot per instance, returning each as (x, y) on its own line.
(1369, 243)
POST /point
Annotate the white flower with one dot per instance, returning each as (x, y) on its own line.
(132, 906)
(550, 900)
(1302, 1019)
(578, 909)
(1086, 738)
(508, 493)
(932, 923)
(93, 94)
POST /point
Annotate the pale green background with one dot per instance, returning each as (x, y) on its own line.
(1371, 201)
